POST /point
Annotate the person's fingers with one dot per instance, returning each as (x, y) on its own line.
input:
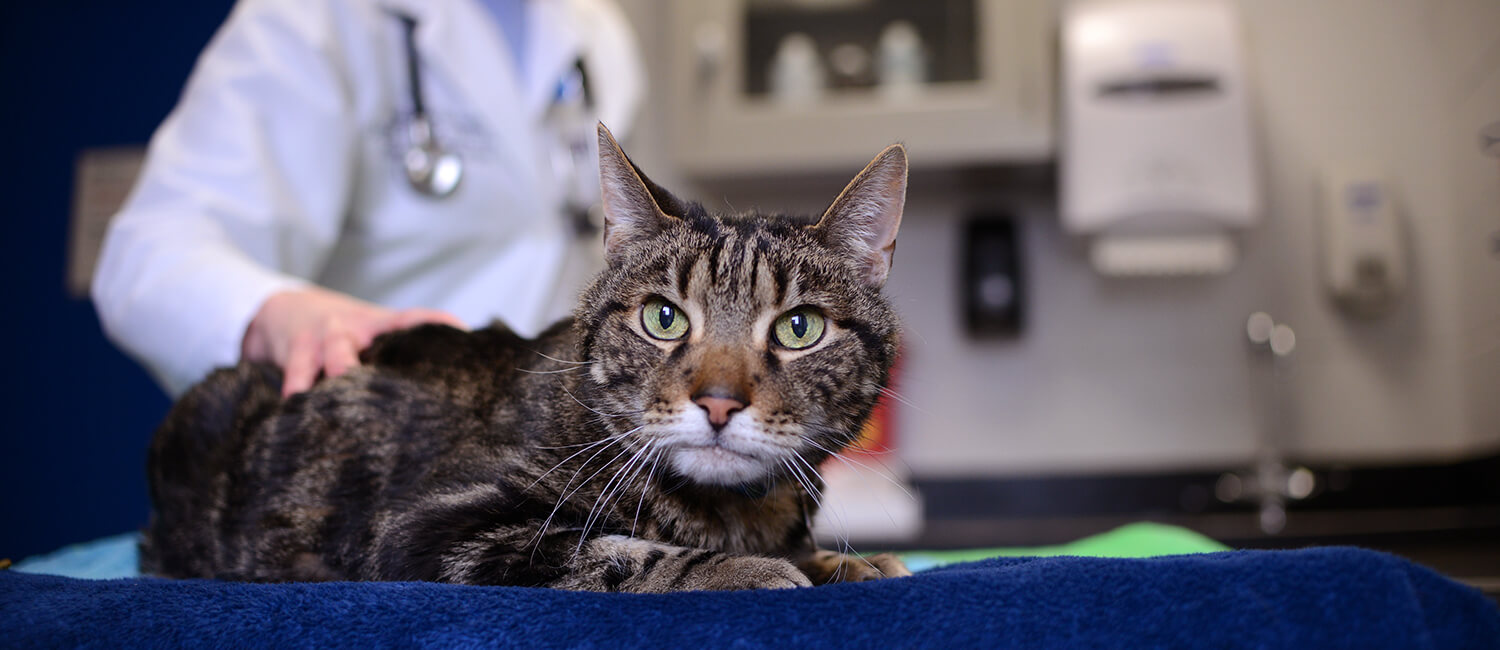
(340, 353)
(302, 363)
(418, 315)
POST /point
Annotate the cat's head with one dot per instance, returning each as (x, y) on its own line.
(734, 348)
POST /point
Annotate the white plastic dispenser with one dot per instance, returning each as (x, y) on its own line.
(1364, 254)
(1158, 164)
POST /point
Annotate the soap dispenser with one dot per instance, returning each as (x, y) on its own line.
(1363, 243)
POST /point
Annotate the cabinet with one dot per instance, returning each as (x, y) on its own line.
(990, 98)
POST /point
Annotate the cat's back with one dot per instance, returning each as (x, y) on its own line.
(237, 472)
(478, 367)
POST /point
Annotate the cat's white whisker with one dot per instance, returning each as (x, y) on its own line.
(808, 483)
(581, 444)
(597, 411)
(813, 493)
(564, 494)
(610, 487)
(882, 473)
(552, 358)
(850, 462)
(656, 458)
(842, 534)
(569, 494)
(796, 475)
(877, 450)
(613, 496)
(622, 490)
(608, 439)
(548, 372)
(891, 393)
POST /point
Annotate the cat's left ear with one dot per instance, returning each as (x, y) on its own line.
(864, 218)
(632, 203)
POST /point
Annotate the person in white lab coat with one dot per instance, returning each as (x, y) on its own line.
(274, 218)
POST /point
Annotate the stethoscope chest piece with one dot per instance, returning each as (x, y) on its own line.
(431, 169)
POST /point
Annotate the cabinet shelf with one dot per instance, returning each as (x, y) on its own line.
(1003, 117)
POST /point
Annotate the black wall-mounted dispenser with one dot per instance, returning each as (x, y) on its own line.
(993, 282)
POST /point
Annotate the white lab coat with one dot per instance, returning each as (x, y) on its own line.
(281, 166)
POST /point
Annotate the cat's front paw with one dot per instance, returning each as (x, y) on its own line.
(829, 566)
(747, 572)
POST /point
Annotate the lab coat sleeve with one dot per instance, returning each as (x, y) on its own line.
(243, 193)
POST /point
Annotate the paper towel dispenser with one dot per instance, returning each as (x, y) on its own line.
(1158, 165)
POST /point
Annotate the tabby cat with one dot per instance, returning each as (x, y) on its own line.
(663, 439)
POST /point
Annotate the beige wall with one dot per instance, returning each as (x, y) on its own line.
(1114, 374)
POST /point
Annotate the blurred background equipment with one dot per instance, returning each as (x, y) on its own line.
(102, 178)
(1363, 238)
(993, 282)
(1158, 162)
(807, 85)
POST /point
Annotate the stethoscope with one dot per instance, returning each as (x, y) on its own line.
(431, 169)
(435, 171)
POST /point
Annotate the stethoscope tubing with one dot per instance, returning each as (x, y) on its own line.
(431, 169)
(413, 73)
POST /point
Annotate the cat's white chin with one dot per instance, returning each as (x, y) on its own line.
(715, 465)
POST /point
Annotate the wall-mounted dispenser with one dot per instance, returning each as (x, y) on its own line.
(994, 279)
(1158, 166)
(1364, 252)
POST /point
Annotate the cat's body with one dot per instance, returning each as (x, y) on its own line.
(664, 439)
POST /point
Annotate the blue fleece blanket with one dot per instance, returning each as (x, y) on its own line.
(1317, 598)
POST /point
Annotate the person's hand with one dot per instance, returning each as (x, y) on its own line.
(308, 330)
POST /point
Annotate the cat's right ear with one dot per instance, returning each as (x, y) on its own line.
(631, 212)
(864, 218)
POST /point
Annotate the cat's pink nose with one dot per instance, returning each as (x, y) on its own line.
(719, 409)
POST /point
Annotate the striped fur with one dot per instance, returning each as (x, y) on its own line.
(582, 459)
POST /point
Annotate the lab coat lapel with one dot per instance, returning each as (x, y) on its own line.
(459, 42)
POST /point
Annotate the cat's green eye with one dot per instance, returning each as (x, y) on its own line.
(663, 320)
(799, 328)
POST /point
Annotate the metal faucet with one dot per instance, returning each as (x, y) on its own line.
(1270, 483)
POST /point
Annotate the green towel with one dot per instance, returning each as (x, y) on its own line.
(1142, 539)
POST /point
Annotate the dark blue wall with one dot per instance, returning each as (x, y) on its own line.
(77, 414)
